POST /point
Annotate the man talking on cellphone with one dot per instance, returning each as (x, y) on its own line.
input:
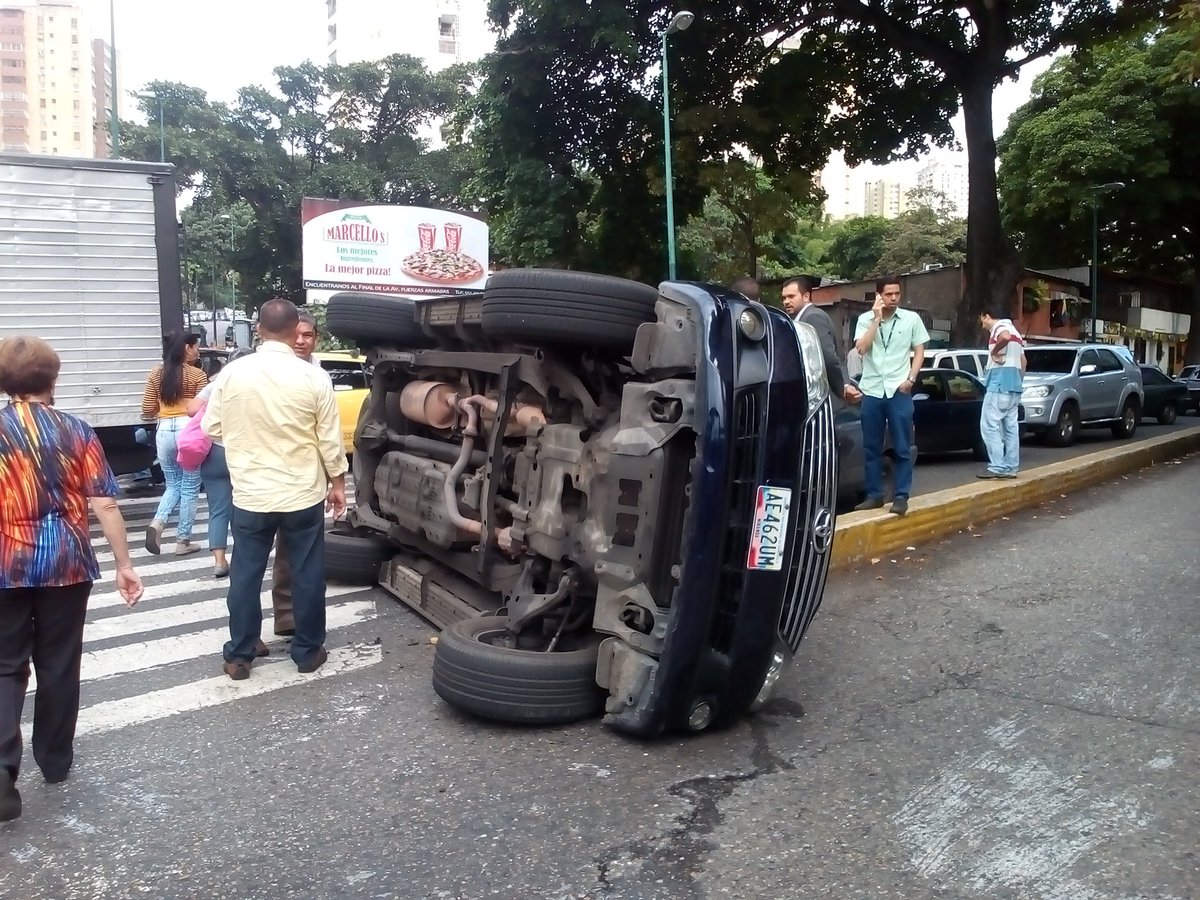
(892, 343)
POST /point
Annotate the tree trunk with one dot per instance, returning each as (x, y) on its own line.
(992, 266)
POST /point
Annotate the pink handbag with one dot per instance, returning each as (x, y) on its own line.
(193, 443)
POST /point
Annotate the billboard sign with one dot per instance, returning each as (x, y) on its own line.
(413, 250)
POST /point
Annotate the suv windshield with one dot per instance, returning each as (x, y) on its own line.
(1058, 361)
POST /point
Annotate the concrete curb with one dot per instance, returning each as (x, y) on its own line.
(862, 536)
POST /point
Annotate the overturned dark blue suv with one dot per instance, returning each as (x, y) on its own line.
(612, 498)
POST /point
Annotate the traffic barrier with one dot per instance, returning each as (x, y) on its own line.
(862, 536)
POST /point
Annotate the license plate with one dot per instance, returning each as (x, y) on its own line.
(768, 534)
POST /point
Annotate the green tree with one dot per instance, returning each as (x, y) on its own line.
(929, 231)
(1118, 113)
(333, 131)
(856, 246)
(573, 89)
(744, 222)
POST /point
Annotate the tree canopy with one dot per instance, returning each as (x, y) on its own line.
(1122, 112)
(569, 114)
(334, 131)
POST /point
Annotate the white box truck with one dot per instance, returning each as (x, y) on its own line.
(89, 261)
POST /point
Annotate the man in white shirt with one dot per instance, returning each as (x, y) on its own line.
(278, 419)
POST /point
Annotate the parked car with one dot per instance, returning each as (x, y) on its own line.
(1165, 398)
(610, 497)
(351, 386)
(1189, 377)
(973, 361)
(1073, 386)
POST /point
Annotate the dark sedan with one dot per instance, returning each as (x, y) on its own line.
(947, 404)
(1165, 397)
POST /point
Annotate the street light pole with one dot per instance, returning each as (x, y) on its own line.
(114, 125)
(232, 282)
(162, 134)
(1096, 190)
(680, 22)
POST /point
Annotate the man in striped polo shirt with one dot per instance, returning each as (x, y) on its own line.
(1001, 404)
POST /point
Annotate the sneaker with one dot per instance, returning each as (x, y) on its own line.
(315, 662)
(186, 548)
(10, 798)
(237, 670)
(1009, 475)
(871, 503)
(220, 571)
(154, 537)
(900, 506)
(988, 473)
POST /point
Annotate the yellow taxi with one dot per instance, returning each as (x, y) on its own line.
(351, 385)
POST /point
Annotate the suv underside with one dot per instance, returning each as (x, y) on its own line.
(533, 457)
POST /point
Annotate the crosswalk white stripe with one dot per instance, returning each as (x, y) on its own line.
(172, 565)
(127, 658)
(110, 597)
(115, 714)
(137, 622)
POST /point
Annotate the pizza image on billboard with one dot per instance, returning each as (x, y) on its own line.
(442, 267)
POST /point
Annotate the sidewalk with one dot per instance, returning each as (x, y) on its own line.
(862, 536)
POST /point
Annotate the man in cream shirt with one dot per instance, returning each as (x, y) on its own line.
(278, 419)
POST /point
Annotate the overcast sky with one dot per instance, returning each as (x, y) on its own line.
(223, 45)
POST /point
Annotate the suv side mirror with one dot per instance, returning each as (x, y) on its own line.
(1087, 369)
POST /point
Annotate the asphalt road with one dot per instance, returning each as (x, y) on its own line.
(1010, 713)
(935, 472)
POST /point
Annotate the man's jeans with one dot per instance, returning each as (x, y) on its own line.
(1001, 436)
(303, 532)
(893, 414)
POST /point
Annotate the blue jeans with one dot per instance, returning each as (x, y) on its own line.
(895, 415)
(183, 488)
(215, 474)
(998, 428)
(303, 533)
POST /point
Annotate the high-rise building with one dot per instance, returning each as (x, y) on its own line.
(884, 198)
(842, 201)
(438, 32)
(46, 95)
(102, 96)
(947, 177)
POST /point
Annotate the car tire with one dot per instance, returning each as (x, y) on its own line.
(1131, 414)
(1062, 433)
(560, 307)
(1168, 414)
(372, 320)
(510, 685)
(353, 557)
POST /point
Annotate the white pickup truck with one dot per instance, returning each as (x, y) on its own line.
(89, 261)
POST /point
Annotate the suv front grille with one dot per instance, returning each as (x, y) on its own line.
(810, 555)
(745, 447)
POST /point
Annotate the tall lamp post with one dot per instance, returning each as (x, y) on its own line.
(1096, 190)
(681, 21)
(162, 134)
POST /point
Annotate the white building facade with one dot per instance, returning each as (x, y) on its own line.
(948, 177)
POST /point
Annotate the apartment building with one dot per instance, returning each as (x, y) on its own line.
(102, 97)
(46, 72)
(947, 177)
(438, 32)
(885, 198)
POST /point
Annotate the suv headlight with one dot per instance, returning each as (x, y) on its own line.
(816, 380)
(1037, 392)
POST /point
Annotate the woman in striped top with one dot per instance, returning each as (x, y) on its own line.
(170, 386)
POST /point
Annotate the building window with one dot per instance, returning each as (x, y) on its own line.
(332, 33)
(330, 7)
(77, 137)
(447, 34)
